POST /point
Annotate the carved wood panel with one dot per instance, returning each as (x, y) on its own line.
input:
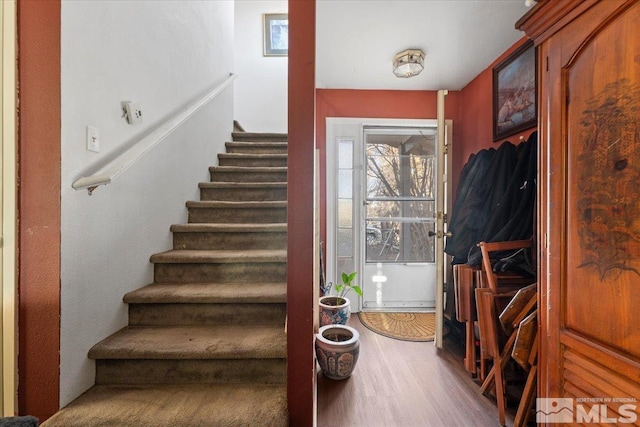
(602, 86)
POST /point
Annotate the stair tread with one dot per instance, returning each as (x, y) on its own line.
(260, 135)
(234, 204)
(257, 143)
(164, 405)
(242, 185)
(219, 256)
(181, 293)
(230, 227)
(193, 342)
(248, 169)
(252, 155)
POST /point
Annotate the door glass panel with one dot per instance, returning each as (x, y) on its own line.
(400, 202)
(385, 209)
(395, 241)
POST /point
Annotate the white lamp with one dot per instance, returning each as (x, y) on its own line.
(408, 63)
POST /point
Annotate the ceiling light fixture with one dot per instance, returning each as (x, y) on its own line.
(408, 63)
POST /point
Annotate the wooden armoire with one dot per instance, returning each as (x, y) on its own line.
(589, 202)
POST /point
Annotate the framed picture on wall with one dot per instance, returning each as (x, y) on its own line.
(276, 34)
(514, 92)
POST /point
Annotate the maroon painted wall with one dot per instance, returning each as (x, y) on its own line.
(476, 115)
(301, 363)
(39, 207)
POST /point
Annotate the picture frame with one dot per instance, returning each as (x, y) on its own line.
(276, 34)
(515, 83)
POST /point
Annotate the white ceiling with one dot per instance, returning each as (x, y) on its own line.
(356, 40)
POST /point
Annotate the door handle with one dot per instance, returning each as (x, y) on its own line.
(439, 234)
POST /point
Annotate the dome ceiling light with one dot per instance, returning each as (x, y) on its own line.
(408, 63)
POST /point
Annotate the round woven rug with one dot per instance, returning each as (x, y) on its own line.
(401, 326)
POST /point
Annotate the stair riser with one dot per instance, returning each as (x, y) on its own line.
(259, 137)
(206, 314)
(228, 176)
(252, 162)
(229, 273)
(238, 215)
(230, 241)
(244, 194)
(259, 149)
(146, 371)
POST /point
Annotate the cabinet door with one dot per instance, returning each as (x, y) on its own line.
(590, 211)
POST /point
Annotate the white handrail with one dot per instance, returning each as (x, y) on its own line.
(124, 161)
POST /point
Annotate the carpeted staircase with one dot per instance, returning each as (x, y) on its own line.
(206, 344)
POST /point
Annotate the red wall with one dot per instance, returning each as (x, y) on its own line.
(301, 363)
(476, 115)
(39, 207)
(389, 104)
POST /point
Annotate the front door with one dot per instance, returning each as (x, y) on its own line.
(399, 192)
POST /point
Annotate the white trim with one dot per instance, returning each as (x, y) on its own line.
(441, 210)
(8, 392)
(124, 161)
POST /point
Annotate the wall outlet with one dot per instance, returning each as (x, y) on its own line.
(133, 112)
(93, 139)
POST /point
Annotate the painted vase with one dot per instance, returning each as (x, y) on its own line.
(337, 349)
(332, 314)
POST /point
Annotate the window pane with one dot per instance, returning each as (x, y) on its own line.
(345, 242)
(345, 183)
(392, 175)
(345, 153)
(392, 241)
(400, 209)
(345, 213)
(345, 265)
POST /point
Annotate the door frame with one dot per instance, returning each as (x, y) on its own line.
(8, 355)
(330, 165)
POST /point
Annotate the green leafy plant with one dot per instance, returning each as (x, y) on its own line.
(347, 285)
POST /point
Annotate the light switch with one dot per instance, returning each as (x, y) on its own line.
(93, 139)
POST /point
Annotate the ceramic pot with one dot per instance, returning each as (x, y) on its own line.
(337, 349)
(333, 314)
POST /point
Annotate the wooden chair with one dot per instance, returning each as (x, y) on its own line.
(496, 343)
(525, 352)
(504, 285)
(466, 279)
(505, 281)
(490, 345)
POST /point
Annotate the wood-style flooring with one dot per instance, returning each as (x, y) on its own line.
(405, 384)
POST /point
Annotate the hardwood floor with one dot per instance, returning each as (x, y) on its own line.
(405, 384)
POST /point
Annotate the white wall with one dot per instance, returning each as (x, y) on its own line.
(260, 96)
(161, 54)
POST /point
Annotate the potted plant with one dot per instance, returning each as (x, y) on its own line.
(337, 349)
(336, 309)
